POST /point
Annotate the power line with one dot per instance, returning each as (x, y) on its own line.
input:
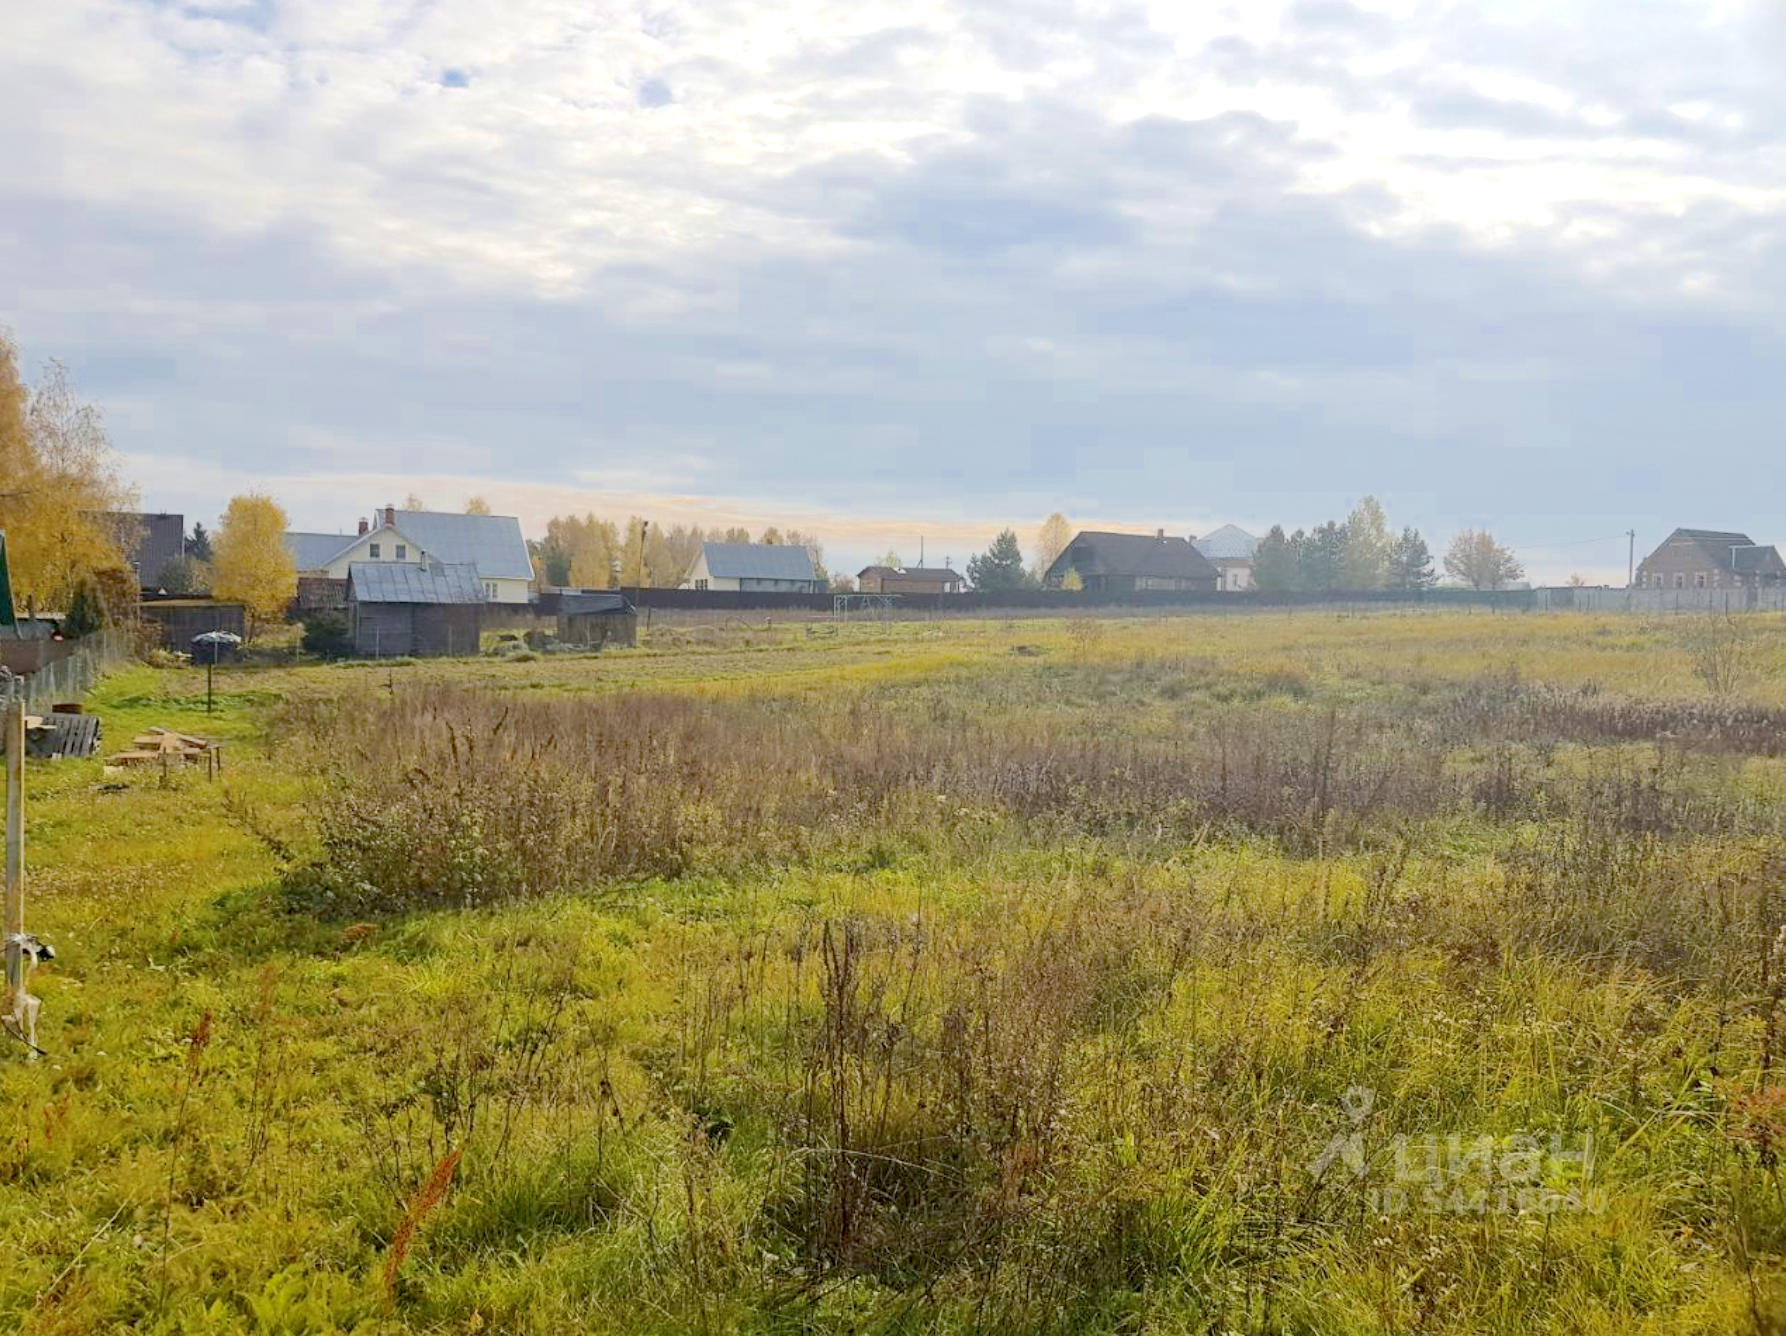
(1571, 542)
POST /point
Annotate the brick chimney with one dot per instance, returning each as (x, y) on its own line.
(390, 517)
(363, 527)
(1160, 534)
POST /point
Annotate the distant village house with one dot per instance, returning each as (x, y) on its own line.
(908, 580)
(1711, 559)
(757, 567)
(1130, 563)
(1230, 549)
(491, 545)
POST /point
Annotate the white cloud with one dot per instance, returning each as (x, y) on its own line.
(936, 257)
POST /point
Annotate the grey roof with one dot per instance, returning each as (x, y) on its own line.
(1228, 543)
(593, 601)
(155, 539)
(313, 551)
(407, 582)
(1100, 553)
(492, 543)
(758, 561)
(1726, 548)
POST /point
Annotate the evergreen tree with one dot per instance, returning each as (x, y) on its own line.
(1001, 568)
(198, 545)
(1324, 557)
(86, 614)
(1411, 563)
(1274, 564)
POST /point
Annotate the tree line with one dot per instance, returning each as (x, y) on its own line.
(588, 552)
(1361, 553)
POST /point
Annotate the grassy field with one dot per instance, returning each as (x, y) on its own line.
(1313, 973)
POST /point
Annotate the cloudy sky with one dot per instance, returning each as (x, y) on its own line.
(926, 267)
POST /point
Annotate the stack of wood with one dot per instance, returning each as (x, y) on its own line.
(163, 746)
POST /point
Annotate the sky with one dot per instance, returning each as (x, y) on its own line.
(892, 272)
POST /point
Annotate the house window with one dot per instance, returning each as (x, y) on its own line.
(402, 552)
(700, 584)
(373, 551)
(490, 590)
(1680, 580)
(1699, 580)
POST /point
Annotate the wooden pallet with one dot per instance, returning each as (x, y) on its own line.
(62, 734)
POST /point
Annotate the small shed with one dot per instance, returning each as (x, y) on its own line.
(178, 620)
(423, 610)
(598, 617)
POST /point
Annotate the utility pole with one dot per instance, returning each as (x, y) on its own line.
(1631, 560)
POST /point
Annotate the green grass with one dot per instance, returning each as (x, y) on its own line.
(1015, 1044)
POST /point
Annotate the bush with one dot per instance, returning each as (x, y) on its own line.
(326, 635)
(86, 614)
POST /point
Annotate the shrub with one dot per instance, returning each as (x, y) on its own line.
(327, 636)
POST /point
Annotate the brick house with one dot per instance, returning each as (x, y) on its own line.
(908, 580)
(1711, 559)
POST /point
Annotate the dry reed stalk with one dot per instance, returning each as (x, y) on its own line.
(432, 1193)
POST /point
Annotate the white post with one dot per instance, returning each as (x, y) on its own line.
(13, 743)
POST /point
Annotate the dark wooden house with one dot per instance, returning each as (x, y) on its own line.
(1114, 564)
(423, 610)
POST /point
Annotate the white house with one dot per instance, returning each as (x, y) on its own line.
(1230, 550)
(491, 543)
(763, 567)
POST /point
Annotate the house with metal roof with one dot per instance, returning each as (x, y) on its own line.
(420, 608)
(1711, 559)
(759, 567)
(492, 544)
(1134, 563)
(1230, 550)
(909, 580)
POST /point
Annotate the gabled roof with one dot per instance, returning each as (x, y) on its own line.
(758, 561)
(1097, 552)
(1228, 543)
(492, 543)
(582, 603)
(407, 582)
(1724, 548)
(314, 551)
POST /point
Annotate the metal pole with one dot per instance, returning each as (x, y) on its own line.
(210, 669)
(14, 742)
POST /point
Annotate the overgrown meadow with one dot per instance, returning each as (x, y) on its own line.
(1303, 974)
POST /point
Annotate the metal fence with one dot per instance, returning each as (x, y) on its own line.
(1660, 601)
(71, 675)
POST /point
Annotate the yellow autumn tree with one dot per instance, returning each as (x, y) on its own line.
(249, 561)
(61, 495)
(1051, 540)
(476, 505)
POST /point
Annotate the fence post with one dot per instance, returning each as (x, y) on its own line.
(14, 745)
